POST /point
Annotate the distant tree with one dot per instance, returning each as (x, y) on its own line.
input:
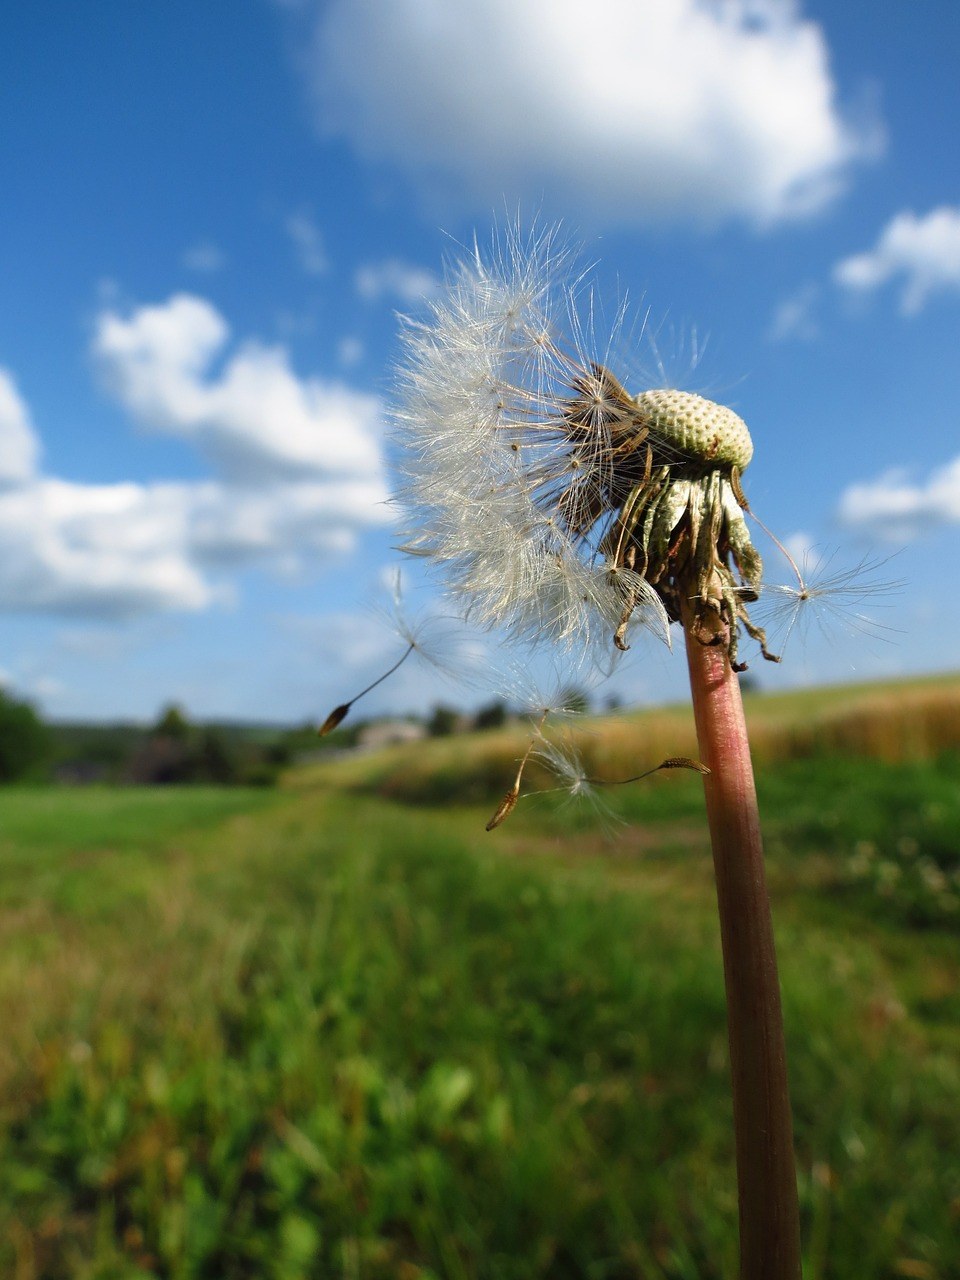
(492, 716)
(24, 739)
(214, 759)
(169, 752)
(173, 723)
(442, 722)
(160, 760)
(280, 753)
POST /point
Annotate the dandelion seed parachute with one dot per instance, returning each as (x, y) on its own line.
(829, 598)
(563, 760)
(436, 640)
(504, 487)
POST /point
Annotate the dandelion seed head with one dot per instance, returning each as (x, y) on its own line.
(558, 505)
(698, 427)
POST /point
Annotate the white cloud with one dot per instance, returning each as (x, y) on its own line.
(308, 242)
(923, 252)
(395, 278)
(893, 506)
(802, 547)
(45, 688)
(253, 417)
(19, 447)
(794, 317)
(204, 257)
(635, 109)
(126, 549)
(287, 525)
(98, 550)
(299, 475)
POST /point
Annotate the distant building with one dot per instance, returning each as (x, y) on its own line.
(389, 733)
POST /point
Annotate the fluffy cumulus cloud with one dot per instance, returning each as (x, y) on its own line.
(280, 525)
(121, 550)
(253, 417)
(923, 253)
(98, 550)
(636, 109)
(297, 475)
(896, 506)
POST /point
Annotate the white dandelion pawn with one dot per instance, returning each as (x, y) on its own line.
(557, 504)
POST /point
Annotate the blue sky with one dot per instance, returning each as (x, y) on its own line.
(211, 214)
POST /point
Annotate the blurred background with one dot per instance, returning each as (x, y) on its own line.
(212, 215)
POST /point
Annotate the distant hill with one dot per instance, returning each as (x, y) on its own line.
(914, 719)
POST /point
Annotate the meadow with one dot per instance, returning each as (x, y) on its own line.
(337, 1029)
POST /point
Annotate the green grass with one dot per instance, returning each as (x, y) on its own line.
(44, 821)
(87, 846)
(322, 1033)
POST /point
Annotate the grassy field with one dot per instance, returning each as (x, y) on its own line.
(327, 1032)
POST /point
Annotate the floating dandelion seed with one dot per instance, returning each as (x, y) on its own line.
(436, 639)
(509, 801)
(564, 761)
(440, 640)
(340, 713)
(830, 598)
(533, 693)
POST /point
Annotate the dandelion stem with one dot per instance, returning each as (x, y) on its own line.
(766, 1175)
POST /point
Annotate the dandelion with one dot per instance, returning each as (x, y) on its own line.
(561, 506)
(509, 444)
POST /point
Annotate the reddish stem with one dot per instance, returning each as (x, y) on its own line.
(766, 1176)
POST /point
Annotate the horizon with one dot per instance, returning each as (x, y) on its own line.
(750, 690)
